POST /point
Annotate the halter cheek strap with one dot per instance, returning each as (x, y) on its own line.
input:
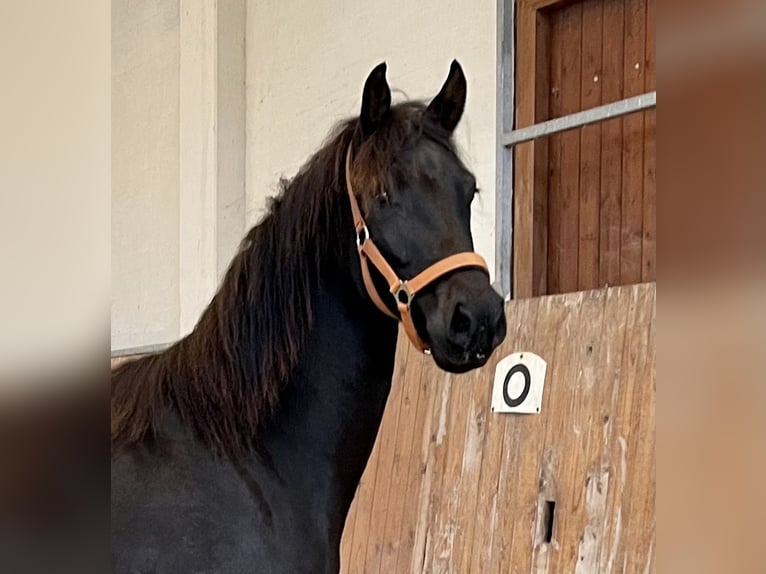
(403, 290)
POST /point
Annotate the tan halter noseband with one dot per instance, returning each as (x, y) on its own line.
(403, 290)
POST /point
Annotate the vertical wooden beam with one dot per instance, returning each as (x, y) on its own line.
(564, 189)
(631, 228)
(523, 190)
(611, 146)
(649, 236)
(590, 146)
(383, 504)
(541, 158)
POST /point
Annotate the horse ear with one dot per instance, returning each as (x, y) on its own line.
(376, 100)
(447, 107)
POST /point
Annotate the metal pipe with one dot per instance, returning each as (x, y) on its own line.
(580, 119)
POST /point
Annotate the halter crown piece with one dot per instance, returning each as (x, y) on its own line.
(402, 290)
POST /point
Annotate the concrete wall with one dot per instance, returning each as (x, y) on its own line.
(178, 187)
(145, 171)
(307, 62)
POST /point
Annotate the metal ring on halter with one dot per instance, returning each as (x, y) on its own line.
(362, 235)
(403, 290)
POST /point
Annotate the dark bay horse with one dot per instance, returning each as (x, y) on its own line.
(240, 448)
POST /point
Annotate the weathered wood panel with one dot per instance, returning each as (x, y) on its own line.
(453, 488)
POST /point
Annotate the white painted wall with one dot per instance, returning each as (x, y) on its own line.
(145, 172)
(307, 62)
(195, 155)
(178, 186)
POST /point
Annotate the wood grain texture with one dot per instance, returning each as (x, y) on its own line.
(466, 491)
(633, 145)
(649, 238)
(564, 150)
(541, 181)
(585, 200)
(382, 503)
(611, 145)
(524, 154)
(590, 146)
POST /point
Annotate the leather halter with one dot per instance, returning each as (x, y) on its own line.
(403, 290)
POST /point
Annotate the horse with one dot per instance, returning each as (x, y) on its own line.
(240, 447)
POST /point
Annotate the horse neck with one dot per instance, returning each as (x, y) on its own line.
(329, 414)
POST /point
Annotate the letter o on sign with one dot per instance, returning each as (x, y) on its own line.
(517, 368)
(508, 395)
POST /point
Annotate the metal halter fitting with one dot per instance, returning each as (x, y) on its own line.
(403, 290)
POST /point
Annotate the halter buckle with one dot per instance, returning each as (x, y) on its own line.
(362, 235)
(403, 295)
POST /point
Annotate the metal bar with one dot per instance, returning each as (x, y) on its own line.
(580, 119)
(504, 156)
(140, 350)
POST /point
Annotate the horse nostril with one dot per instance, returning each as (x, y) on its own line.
(461, 325)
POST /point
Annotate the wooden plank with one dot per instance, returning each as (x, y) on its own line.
(574, 469)
(471, 466)
(541, 158)
(563, 199)
(611, 145)
(627, 538)
(429, 466)
(381, 503)
(364, 499)
(649, 238)
(544, 4)
(416, 468)
(415, 392)
(514, 482)
(618, 302)
(597, 378)
(631, 228)
(637, 426)
(490, 519)
(555, 460)
(444, 515)
(491, 524)
(524, 154)
(367, 500)
(347, 540)
(590, 146)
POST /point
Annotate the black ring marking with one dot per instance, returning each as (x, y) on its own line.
(527, 385)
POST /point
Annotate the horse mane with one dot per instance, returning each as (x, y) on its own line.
(224, 379)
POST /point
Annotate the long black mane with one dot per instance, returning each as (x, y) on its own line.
(224, 379)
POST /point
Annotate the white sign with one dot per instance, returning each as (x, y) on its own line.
(519, 382)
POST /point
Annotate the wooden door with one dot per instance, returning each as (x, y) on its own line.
(585, 199)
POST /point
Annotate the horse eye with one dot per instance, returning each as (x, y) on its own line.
(383, 198)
